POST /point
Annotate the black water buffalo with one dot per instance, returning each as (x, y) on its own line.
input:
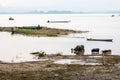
(79, 50)
(95, 51)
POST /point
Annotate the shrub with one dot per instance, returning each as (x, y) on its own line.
(41, 54)
(58, 54)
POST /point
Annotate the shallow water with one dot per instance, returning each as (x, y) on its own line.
(17, 47)
(74, 61)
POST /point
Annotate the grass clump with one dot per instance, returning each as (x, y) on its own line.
(112, 60)
(64, 78)
(41, 54)
(98, 71)
(58, 54)
(102, 70)
(27, 31)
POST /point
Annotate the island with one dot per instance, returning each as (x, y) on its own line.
(40, 31)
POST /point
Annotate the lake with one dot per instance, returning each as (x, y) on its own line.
(16, 48)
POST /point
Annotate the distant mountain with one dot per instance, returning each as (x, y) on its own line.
(54, 12)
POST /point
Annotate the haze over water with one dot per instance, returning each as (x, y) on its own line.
(18, 47)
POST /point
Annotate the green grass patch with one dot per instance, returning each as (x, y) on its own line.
(40, 31)
(27, 31)
(41, 54)
(102, 70)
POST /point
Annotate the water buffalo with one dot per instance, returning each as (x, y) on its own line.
(95, 51)
(79, 50)
(106, 52)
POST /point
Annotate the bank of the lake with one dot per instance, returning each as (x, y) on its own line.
(48, 70)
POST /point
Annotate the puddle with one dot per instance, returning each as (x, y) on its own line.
(74, 61)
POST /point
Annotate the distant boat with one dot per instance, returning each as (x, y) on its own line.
(57, 21)
(108, 40)
(11, 18)
(113, 16)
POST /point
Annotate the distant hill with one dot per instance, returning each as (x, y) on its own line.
(39, 12)
(54, 12)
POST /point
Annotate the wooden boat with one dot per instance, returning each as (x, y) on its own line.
(113, 16)
(57, 21)
(11, 18)
(108, 40)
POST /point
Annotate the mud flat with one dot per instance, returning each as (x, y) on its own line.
(48, 70)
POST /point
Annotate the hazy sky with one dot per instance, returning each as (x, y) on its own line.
(72, 5)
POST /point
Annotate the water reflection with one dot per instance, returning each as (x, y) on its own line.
(74, 61)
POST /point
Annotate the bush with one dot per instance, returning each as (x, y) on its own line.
(58, 54)
(41, 54)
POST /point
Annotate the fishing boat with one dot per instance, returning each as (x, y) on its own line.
(57, 21)
(113, 16)
(11, 18)
(108, 40)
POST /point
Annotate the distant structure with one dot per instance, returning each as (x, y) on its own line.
(78, 50)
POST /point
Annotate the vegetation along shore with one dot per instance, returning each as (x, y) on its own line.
(39, 31)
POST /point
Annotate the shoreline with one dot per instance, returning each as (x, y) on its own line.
(48, 70)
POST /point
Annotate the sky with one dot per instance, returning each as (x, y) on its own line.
(60, 5)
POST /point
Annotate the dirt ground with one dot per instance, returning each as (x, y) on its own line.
(47, 70)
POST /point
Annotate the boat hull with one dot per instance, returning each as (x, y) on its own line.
(108, 40)
(58, 21)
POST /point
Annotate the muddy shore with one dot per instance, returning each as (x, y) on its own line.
(48, 70)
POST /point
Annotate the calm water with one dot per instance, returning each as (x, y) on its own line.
(17, 47)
